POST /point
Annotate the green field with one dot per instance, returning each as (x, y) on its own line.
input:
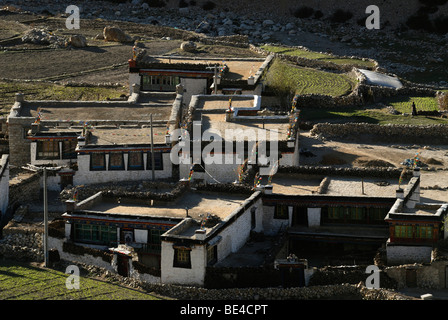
(285, 77)
(366, 115)
(319, 56)
(50, 91)
(25, 282)
(404, 104)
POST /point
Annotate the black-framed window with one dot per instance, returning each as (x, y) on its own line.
(158, 161)
(182, 257)
(47, 150)
(212, 255)
(116, 161)
(281, 212)
(97, 161)
(68, 149)
(135, 160)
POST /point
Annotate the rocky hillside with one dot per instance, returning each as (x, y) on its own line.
(419, 14)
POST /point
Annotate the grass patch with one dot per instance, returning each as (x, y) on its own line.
(404, 104)
(365, 115)
(50, 91)
(26, 282)
(319, 56)
(299, 80)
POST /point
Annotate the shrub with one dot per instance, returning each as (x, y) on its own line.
(427, 10)
(420, 22)
(441, 25)
(183, 4)
(361, 21)
(433, 2)
(341, 16)
(209, 5)
(303, 12)
(318, 14)
(156, 3)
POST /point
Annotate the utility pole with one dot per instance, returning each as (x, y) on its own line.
(45, 220)
(215, 77)
(152, 151)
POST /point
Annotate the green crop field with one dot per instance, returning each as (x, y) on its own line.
(282, 76)
(319, 56)
(26, 282)
(366, 115)
(404, 104)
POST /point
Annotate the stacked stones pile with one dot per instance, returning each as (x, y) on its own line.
(145, 190)
(43, 36)
(24, 245)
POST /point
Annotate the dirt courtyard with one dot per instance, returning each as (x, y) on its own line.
(359, 154)
(433, 159)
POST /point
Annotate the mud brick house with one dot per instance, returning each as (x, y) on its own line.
(329, 213)
(176, 235)
(414, 226)
(231, 131)
(92, 141)
(201, 76)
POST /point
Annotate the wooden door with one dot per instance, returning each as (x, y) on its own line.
(123, 265)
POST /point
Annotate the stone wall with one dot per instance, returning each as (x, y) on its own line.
(313, 63)
(399, 133)
(378, 172)
(341, 291)
(429, 276)
(361, 94)
(333, 275)
(25, 190)
(22, 243)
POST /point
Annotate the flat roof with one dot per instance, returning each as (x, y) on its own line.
(199, 204)
(127, 136)
(263, 131)
(296, 184)
(249, 116)
(223, 104)
(238, 69)
(89, 111)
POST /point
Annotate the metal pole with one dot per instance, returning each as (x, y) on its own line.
(45, 219)
(152, 152)
(215, 80)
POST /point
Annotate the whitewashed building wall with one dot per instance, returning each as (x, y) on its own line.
(86, 176)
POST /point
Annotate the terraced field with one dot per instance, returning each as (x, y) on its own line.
(26, 282)
(50, 91)
(404, 104)
(284, 76)
(318, 56)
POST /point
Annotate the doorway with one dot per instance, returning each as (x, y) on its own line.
(446, 277)
(66, 180)
(123, 265)
(300, 216)
(411, 277)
